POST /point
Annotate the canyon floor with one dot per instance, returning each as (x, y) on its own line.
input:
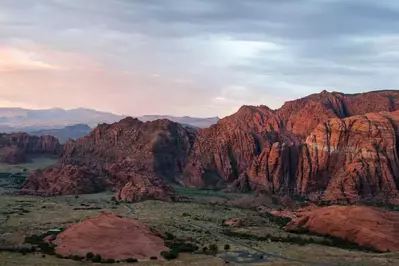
(199, 221)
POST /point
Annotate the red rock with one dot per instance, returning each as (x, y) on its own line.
(301, 148)
(366, 226)
(15, 147)
(134, 157)
(12, 155)
(112, 237)
(63, 181)
(236, 222)
(134, 185)
(325, 146)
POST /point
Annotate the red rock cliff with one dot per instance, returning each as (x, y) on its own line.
(312, 145)
(15, 147)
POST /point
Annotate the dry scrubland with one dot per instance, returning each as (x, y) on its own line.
(198, 221)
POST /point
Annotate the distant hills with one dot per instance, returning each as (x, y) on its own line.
(63, 134)
(184, 120)
(76, 123)
(19, 119)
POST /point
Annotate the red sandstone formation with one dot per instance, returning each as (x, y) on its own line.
(112, 237)
(132, 156)
(15, 147)
(368, 227)
(306, 147)
(329, 146)
(135, 185)
(63, 181)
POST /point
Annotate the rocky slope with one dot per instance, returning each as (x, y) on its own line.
(321, 143)
(368, 227)
(66, 180)
(329, 145)
(132, 156)
(15, 148)
(125, 238)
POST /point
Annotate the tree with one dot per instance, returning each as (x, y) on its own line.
(227, 247)
(213, 248)
(96, 258)
(89, 255)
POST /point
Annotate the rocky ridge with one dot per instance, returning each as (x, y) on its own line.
(330, 146)
(15, 148)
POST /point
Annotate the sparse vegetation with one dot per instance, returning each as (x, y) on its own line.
(213, 248)
(279, 220)
(96, 258)
(131, 260)
(169, 255)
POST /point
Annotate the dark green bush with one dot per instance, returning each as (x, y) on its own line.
(77, 258)
(213, 248)
(169, 255)
(131, 260)
(153, 258)
(96, 258)
(89, 255)
(169, 236)
(109, 261)
(227, 247)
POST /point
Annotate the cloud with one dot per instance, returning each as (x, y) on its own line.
(16, 60)
(189, 57)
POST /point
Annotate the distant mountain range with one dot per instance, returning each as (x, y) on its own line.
(63, 134)
(75, 123)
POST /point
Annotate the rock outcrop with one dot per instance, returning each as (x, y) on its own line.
(125, 238)
(66, 180)
(325, 145)
(133, 186)
(329, 146)
(366, 226)
(15, 148)
(132, 156)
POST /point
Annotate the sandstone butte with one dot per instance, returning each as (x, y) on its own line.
(333, 146)
(125, 238)
(15, 147)
(366, 226)
(134, 158)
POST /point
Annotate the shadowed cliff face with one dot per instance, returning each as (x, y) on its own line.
(15, 147)
(323, 144)
(130, 156)
(330, 145)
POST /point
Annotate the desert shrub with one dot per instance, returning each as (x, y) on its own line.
(205, 249)
(169, 236)
(43, 256)
(153, 258)
(131, 260)
(280, 221)
(59, 256)
(77, 258)
(227, 247)
(109, 261)
(169, 255)
(213, 248)
(182, 247)
(96, 258)
(89, 255)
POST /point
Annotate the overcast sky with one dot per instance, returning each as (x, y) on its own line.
(192, 57)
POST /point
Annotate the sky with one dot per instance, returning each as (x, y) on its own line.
(192, 57)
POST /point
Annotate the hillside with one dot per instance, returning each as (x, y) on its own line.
(331, 145)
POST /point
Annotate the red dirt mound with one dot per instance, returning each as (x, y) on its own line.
(112, 237)
(366, 226)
